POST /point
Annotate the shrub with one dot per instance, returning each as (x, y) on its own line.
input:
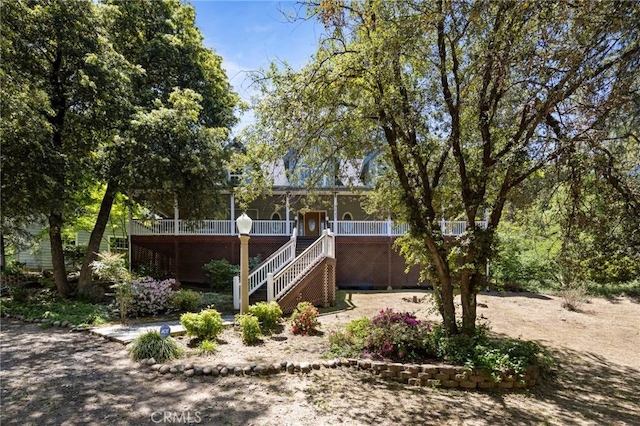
(223, 302)
(250, 328)
(397, 336)
(13, 267)
(351, 341)
(186, 300)
(304, 319)
(152, 345)
(44, 304)
(150, 296)
(221, 274)
(21, 294)
(268, 315)
(111, 267)
(207, 347)
(254, 262)
(205, 325)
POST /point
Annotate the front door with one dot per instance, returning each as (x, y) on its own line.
(312, 224)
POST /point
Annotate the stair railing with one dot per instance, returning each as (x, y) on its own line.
(278, 284)
(272, 264)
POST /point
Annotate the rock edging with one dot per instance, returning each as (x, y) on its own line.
(48, 322)
(430, 375)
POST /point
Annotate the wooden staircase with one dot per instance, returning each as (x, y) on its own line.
(303, 243)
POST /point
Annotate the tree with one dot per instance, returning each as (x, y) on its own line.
(463, 101)
(182, 155)
(57, 69)
(80, 78)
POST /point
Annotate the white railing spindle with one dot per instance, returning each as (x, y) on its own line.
(274, 263)
(281, 282)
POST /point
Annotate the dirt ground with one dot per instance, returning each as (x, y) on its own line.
(56, 377)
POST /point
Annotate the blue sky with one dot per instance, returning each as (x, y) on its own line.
(249, 35)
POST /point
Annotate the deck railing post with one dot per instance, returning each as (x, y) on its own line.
(270, 289)
(236, 292)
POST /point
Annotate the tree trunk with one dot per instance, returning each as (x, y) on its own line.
(445, 286)
(468, 300)
(57, 254)
(96, 236)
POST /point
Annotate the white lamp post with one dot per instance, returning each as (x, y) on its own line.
(244, 227)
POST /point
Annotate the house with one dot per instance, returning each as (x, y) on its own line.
(35, 251)
(286, 225)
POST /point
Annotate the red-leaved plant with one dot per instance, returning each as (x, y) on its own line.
(304, 319)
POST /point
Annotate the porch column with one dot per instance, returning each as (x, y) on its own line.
(176, 214)
(335, 212)
(232, 204)
(389, 225)
(286, 212)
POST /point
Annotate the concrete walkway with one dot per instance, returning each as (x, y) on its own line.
(126, 333)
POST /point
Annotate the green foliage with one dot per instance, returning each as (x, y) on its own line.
(249, 327)
(223, 302)
(454, 133)
(22, 295)
(526, 255)
(13, 267)
(304, 319)
(185, 300)
(74, 254)
(401, 337)
(351, 341)
(133, 99)
(207, 347)
(631, 289)
(44, 304)
(221, 273)
(111, 267)
(205, 325)
(152, 345)
(268, 314)
(254, 262)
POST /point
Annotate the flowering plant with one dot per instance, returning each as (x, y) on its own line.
(304, 319)
(398, 336)
(150, 296)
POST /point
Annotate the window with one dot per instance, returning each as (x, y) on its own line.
(275, 216)
(347, 228)
(118, 244)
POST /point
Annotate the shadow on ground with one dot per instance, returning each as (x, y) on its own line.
(57, 377)
(585, 390)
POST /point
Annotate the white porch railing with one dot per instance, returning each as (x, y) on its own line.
(270, 227)
(208, 227)
(457, 227)
(284, 228)
(368, 227)
(271, 265)
(280, 283)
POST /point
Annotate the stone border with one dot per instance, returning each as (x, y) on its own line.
(46, 321)
(429, 375)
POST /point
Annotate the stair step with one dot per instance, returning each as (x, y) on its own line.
(260, 295)
(303, 243)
